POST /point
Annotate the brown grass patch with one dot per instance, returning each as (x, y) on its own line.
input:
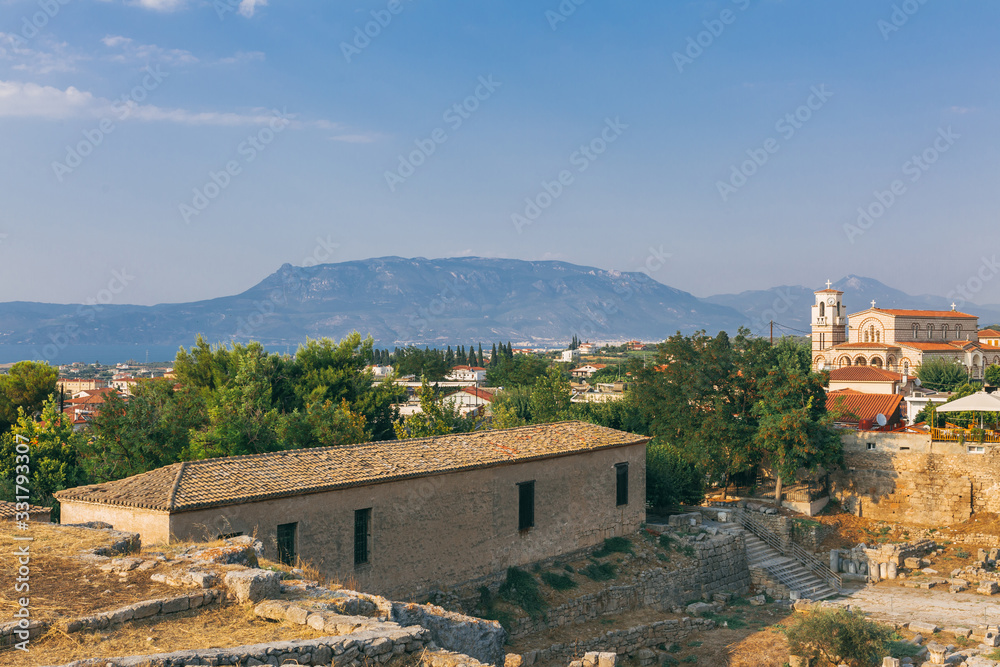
(218, 627)
(767, 648)
(62, 586)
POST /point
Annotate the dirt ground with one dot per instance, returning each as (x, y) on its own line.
(751, 640)
(215, 628)
(60, 585)
(890, 602)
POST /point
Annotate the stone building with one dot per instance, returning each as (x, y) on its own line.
(894, 339)
(396, 518)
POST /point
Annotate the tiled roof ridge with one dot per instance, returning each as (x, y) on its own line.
(358, 445)
(172, 498)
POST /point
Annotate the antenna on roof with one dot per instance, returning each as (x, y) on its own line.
(881, 420)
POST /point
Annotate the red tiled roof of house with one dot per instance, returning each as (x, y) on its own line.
(855, 406)
(467, 368)
(926, 313)
(241, 479)
(478, 393)
(863, 374)
(989, 333)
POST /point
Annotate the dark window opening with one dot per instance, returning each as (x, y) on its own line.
(286, 543)
(362, 533)
(621, 484)
(525, 505)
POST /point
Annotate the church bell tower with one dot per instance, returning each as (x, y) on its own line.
(829, 325)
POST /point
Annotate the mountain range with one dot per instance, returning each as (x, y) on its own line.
(463, 300)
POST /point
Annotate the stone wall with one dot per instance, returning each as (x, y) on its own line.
(720, 565)
(440, 531)
(908, 478)
(622, 642)
(763, 582)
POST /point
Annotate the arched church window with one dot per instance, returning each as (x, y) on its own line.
(930, 331)
(915, 328)
(958, 332)
(822, 309)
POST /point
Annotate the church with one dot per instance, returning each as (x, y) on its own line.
(894, 339)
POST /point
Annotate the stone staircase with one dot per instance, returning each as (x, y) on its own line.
(785, 570)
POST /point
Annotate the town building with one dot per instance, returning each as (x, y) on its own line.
(73, 385)
(898, 340)
(870, 380)
(865, 412)
(400, 518)
(587, 370)
(467, 374)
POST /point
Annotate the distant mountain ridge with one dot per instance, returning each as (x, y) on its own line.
(398, 301)
(449, 301)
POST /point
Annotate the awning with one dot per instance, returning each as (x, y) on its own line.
(978, 402)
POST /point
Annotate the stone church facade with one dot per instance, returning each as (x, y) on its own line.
(896, 340)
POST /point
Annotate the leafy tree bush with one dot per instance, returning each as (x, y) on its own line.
(942, 375)
(600, 571)
(560, 582)
(992, 375)
(613, 545)
(521, 588)
(838, 635)
(670, 480)
(27, 385)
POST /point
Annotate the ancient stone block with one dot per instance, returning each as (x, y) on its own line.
(175, 605)
(253, 585)
(922, 628)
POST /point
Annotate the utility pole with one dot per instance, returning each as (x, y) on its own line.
(772, 332)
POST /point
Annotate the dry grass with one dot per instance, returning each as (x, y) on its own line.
(228, 626)
(767, 648)
(64, 586)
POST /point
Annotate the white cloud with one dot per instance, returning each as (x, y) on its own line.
(30, 100)
(131, 51)
(160, 5)
(50, 56)
(248, 7)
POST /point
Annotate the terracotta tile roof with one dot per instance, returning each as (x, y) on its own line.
(855, 406)
(479, 393)
(8, 510)
(863, 374)
(239, 479)
(989, 333)
(957, 346)
(926, 313)
(467, 368)
(830, 290)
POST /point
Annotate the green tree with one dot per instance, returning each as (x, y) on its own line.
(436, 417)
(52, 463)
(992, 376)
(322, 425)
(519, 370)
(493, 356)
(671, 480)
(550, 398)
(839, 635)
(794, 428)
(26, 385)
(942, 374)
(481, 362)
(242, 418)
(148, 431)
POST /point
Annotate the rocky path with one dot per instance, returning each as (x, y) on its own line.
(896, 604)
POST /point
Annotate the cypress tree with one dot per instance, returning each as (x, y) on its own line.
(493, 357)
(481, 363)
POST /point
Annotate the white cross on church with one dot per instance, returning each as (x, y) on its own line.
(873, 303)
(828, 283)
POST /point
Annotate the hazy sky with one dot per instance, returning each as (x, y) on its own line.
(193, 147)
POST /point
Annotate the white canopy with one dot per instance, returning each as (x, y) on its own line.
(978, 402)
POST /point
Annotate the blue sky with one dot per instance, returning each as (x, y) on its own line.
(225, 138)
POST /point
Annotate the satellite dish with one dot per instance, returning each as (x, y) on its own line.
(881, 420)
(917, 382)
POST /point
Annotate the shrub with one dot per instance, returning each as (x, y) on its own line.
(489, 611)
(666, 541)
(569, 568)
(962, 553)
(560, 582)
(614, 545)
(839, 636)
(600, 571)
(671, 481)
(521, 588)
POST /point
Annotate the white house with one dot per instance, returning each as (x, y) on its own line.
(570, 355)
(467, 374)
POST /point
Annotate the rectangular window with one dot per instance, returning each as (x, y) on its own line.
(286, 543)
(525, 505)
(976, 449)
(621, 484)
(870, 445)
(362, 535)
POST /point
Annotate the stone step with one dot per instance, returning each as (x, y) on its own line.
(788, 571)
